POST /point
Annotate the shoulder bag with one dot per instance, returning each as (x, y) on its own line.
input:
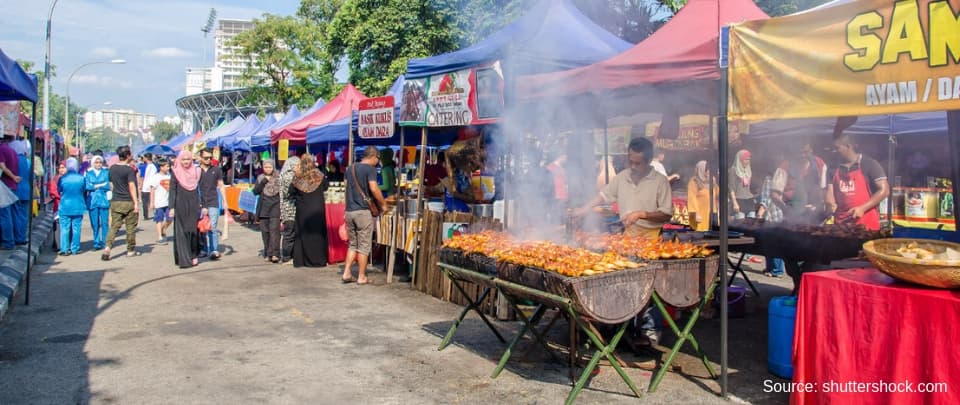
(371, 203)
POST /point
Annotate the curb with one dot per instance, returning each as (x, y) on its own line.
(13, 270)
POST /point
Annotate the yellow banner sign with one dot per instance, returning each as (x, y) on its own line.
(858, 58)
(283, 149)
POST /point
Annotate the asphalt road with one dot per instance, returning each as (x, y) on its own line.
(141, 331)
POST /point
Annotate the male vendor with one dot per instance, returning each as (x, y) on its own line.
(858, 185)
(643, 197)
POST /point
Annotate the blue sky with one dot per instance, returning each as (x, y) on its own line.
(159, 39)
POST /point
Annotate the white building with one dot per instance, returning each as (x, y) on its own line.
(225, 55)
(203, 79)
(119, 120)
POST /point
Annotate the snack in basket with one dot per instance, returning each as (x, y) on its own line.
(913, 251)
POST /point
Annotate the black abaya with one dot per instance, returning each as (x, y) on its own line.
(186, 237)
(310, 244)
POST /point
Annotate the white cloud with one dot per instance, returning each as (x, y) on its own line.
(104, 52)
(167, 52)
(101, 81)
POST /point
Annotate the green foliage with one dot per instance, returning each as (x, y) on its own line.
(104, 139)
(164, 130)
(776, 8)
(286, 56)
(376, 38)
(56, 100)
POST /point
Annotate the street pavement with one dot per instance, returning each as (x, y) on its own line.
(141, 331)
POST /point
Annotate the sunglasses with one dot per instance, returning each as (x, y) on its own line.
(206, 157)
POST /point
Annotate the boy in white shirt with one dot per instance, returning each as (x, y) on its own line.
(159, 186)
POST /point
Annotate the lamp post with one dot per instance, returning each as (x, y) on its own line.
(80, 140)
(46, 72)
(66, 103)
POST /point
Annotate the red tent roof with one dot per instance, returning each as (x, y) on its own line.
(685, 48)
(340, 107)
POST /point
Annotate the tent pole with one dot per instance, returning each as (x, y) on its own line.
(350, 141)
(606, 153)
(394, 223)
(953, 136)
(722, 146)
(31, 138)
(421, 169)
(891, 168)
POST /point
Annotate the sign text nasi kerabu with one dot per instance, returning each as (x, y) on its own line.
(937, 43)
(376, 118)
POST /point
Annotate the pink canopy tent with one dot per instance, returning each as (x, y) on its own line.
(342, 106)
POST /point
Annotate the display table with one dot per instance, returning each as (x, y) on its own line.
(861, 326)
(336, 248)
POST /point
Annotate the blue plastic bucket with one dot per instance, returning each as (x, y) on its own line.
(782, 315)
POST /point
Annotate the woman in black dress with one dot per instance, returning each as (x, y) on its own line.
(310, 246)
(268, 210)
(185, 210)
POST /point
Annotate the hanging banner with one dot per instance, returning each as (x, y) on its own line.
(283, 149)
(375, 118)
(487, 103)
(448, 99)
(856, 58)
(413, 106)
(10, 118)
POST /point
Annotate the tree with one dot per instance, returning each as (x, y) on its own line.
(284, 55)
(377, 38)
(775, 8)
(103, 138)
(56, 100)
(164, 130)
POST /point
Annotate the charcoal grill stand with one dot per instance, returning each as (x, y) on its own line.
(471, 304)
(737, 268)
(512, 291)
(683, 335)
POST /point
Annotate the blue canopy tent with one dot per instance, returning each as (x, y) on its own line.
(17, 85)
(211, 136)
(260, 141)
(316, 106)
(553, 35)
(179, 140)
(241, 142)
(226, 140)
(926, 123)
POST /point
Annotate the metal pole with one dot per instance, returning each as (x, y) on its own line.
(30, 259)
(606, 154)
(891, 167)
(350, 140)
(421, 169)
(722, 140)
(46, 72)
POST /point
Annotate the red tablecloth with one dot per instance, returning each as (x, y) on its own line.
(336, 248)
(861, 326)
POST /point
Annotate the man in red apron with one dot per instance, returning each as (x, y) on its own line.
(857, 186)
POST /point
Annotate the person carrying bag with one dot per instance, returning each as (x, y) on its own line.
(363, 205)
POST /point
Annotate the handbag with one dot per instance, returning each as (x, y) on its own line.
(203, 226)
(371, 203)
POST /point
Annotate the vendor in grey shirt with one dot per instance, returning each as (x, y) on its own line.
(642, 194)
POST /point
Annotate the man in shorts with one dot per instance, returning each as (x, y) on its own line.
(159, 187)
(362, 186)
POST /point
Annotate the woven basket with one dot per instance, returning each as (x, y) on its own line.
(932, 273)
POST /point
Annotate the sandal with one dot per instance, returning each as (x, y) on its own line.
(195, 261)
(347, 280)
(368, 282)
(215, 256)
(105, 257)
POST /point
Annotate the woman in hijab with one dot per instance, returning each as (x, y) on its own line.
(268, 210)
(72, 207)
(97, 182)
(743, 200)
(185, 210)
(288, 208)
(698, 198)
(52, 186)
(310, 246)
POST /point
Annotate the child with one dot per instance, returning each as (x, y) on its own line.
(159, 186)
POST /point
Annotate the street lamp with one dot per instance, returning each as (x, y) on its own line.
(66, 103)
(80, 140)
(46, 72)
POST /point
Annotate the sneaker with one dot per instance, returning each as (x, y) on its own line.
(653, 336)
(132, 253)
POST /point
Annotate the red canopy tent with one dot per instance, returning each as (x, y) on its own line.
(685, 49)
(340, 107)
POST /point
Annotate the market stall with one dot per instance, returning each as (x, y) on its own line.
(837, 61)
